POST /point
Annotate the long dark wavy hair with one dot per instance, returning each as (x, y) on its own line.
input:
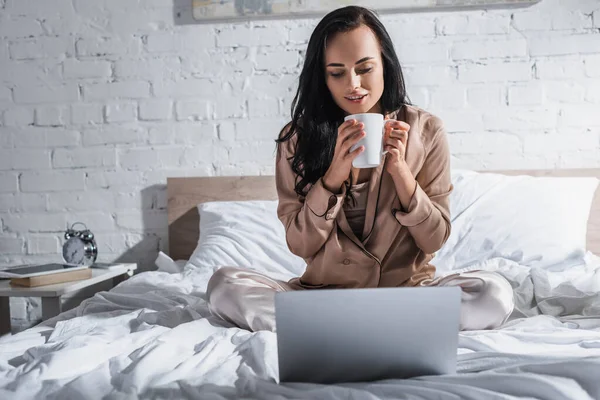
(315, 115)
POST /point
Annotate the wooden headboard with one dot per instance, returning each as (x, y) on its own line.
(184, 194)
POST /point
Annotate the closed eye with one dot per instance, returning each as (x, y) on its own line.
(339, 74)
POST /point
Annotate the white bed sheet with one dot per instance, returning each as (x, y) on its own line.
(153, 337)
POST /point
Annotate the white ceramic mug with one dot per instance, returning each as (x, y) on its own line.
(373, 141)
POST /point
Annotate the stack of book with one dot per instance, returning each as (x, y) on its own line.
(51, 279)
(46, 274)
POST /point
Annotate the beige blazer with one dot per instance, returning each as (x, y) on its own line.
(398, 244)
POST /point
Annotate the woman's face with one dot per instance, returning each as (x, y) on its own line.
(354, 70)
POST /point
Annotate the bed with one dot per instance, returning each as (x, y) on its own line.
(152, 336)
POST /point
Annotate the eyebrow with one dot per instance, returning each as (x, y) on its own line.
(362, 60)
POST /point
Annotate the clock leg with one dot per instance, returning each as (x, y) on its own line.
(51, 307)
(4, 315)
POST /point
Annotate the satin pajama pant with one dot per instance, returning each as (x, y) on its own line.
(247, 298)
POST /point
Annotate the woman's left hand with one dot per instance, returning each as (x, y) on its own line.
(394, 142)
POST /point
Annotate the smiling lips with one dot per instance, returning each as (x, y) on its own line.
(356, 98)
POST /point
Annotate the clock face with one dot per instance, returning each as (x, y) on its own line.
(74, 251)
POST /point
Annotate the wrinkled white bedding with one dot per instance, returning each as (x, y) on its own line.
(153, 337)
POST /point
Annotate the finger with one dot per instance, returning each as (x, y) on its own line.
(396, 143)
(394, 128)
(387, 132)
(349, 130)
(352, 140)
(347, 124)
(396, 134)
(344, 130)
(353, 154)
(393, 125)
(400, 135)
(398, 125)
(393, 152)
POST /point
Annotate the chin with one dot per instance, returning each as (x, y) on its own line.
(352, 110)
(360, 110)
(356, 108)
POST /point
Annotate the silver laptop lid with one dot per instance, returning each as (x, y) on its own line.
(349, 335)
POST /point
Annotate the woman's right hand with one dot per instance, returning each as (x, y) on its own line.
(349, 134)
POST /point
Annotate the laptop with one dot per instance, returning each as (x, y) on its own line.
(360, 335)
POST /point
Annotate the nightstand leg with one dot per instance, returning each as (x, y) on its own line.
(51, 307)
(118, 279)
(4, 315)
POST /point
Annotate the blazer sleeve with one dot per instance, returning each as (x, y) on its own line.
(428, 215)
(308, 220)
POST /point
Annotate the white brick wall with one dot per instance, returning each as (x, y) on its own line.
(101, 100)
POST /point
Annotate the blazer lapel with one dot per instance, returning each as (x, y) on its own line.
(372, 200)
(345, 227)
(415, 150)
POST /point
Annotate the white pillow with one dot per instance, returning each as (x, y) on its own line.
(535, 221)
(244, 234)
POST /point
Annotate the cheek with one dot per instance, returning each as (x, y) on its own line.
(376, 86)
(376, 81)
(335, 88)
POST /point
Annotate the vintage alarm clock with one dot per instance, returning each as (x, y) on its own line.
(80, 246)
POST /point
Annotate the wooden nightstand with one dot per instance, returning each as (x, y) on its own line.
(51, 294)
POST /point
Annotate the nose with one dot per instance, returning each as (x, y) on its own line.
(354, 80)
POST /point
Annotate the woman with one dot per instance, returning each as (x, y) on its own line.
(359, 228)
